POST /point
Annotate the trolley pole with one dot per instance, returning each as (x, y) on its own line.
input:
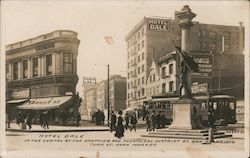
(108, 95)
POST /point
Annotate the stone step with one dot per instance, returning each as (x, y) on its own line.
(222, 136)
(183, 130)
(187, 133)
(175, 136)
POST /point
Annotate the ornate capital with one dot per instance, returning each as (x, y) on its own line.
(185, 16)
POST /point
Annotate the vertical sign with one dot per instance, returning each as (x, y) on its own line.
(205, 65)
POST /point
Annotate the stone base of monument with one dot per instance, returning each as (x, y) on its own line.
(184, 126)
(183, 114)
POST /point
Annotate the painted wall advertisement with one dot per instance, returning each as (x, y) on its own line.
(159, 24)
(205, 65)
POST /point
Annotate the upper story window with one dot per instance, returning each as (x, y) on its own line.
(139, 58)
(15, 70)
(163, 71)
(67, 63)
(142, 44)
(142, 31)
(35, 67)
(139, 70)
(212, 46)
(212, 34)
(49, 64)
(171, 86)
(142, 68)
(227, 47)
(171, 69)
(142, 56)
(163, 86)
(204, 45)
(142, 80)
(226, 35)
(25, 68)
(204, 33)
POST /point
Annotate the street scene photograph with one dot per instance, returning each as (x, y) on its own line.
(125, 78)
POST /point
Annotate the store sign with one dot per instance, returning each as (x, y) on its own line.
(89, 80)
(45, 46)
(199, 88)
(205, 65)
(158, 24)
(19, 94)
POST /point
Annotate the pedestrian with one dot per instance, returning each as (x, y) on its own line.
(113, 121)
(162, 120)
(102, 117)
(45, 120)
(147, 117)
(211, 117)
(29, 120)
(126, 120)
(152, 121)
(78, 119)
(120, 128)
(133, 121)
(158, 120)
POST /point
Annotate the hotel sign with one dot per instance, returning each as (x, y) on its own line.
(159, 24)
(205, 65)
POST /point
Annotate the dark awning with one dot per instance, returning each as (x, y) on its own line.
(16, 101)
(44, 103)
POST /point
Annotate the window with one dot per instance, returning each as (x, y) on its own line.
(131, 94)
(139, 58)
(139, 70)
(212, 34)
(163, 86)
(142, 68)
(7, 72)
(171, 69)
(128, 75)
(227, 35)
(34, 67)
(142, 80)
(138, 82)
(67, 63)
(163, 71)
(138, 34)
(227, 47)
(212, 46)
(204, 45)
(142, 31)
(139, 47)
(49, 64)
(15, 70)
(153, 77)
(142, 91)
(25, 69)
(128, 96)
(128, 64)
(142, 44)
(142, 56)
(128, 85)
(171, 86)
(204, 33)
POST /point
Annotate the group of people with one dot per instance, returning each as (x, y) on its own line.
(24, 119)
(44, 119)
(155, 121)
(117, 123)
(99, 117)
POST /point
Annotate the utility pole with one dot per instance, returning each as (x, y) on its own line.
(108, 95)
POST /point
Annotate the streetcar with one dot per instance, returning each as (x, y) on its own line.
(224, 107)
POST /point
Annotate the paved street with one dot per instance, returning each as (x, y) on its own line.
(105, 140)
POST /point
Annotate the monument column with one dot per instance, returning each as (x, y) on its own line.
(185, 108)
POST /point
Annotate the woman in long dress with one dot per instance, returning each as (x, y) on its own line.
(119, 128)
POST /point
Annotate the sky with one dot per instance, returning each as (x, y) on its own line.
(95, 20)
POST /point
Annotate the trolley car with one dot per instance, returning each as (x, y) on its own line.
(224, 107)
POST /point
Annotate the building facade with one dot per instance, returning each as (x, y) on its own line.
(42, 69)
(152, 38)
(91, 102)
(102, 95)
(117, 93)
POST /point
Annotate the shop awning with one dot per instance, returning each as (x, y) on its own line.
(44, 103)
(16, 101)
(164, 99)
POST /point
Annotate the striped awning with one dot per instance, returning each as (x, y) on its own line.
(44, 103)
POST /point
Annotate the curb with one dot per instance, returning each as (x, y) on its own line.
(48, 131)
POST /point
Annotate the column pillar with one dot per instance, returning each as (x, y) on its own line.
(53, 64)
(29, 68)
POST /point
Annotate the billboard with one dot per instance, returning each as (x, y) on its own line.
(205, 65)
(159, 24)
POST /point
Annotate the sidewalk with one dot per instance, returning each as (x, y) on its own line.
(52, 128)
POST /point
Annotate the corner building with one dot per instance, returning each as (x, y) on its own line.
(152, 38)
(42, 73)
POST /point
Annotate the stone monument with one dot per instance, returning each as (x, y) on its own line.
(186, 108)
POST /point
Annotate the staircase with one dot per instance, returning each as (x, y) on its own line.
(185, 134)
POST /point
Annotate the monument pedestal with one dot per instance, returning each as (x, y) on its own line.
(183, 112)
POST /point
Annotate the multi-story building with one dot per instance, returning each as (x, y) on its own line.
(152, 38)
(91, 102)
(42, 72)
(102, 95)
(117, 92)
